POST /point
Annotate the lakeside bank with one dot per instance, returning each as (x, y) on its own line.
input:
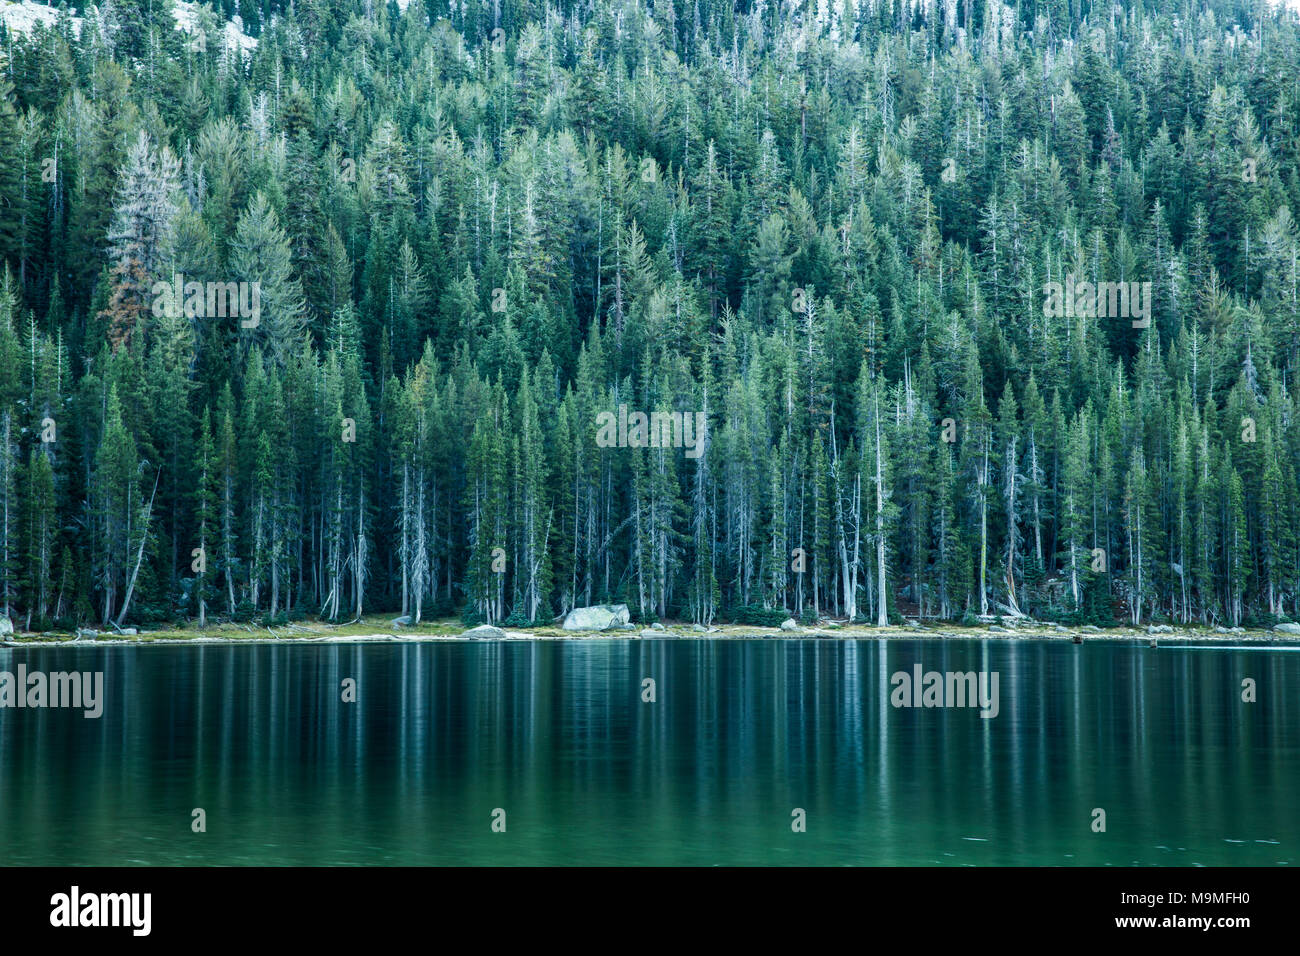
(454, 631)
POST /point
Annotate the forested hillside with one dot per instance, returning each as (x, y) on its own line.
(469, 230)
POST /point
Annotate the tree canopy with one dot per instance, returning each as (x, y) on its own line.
(447, 237)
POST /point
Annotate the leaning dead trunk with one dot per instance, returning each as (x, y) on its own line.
(139, 555)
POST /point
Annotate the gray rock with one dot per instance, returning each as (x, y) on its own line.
(789, 625)
(486, 632)
(657, 626)
(403, 621)
(1091, 628)
(598, 617)
(1159, 629)
(87, 632)
(699, 628)
(648, 632)
(6, 627)
(994, 629)
(1287, 628)
(129, 632)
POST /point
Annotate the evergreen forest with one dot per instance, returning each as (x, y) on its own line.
(470, 229)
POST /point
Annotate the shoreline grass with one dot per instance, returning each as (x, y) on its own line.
(382, 628)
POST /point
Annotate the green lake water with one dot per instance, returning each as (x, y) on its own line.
(742, 733)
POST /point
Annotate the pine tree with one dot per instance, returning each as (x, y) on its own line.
(226, 476)
(144, 212)
(206, 497)
(115, 496)
(1236, 546)
(41, 532)
(260, 254)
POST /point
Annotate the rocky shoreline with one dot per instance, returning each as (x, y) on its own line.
(1153, 635)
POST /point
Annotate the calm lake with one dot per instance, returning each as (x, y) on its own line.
(741, 733)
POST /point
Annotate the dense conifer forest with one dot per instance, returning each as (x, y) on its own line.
(450, 242)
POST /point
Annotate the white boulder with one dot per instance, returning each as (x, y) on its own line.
(598, 617)
(485, 632)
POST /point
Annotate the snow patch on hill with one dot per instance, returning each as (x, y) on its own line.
(187, 19)
(24, 16)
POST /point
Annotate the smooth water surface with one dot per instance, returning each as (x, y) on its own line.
(556, 734)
